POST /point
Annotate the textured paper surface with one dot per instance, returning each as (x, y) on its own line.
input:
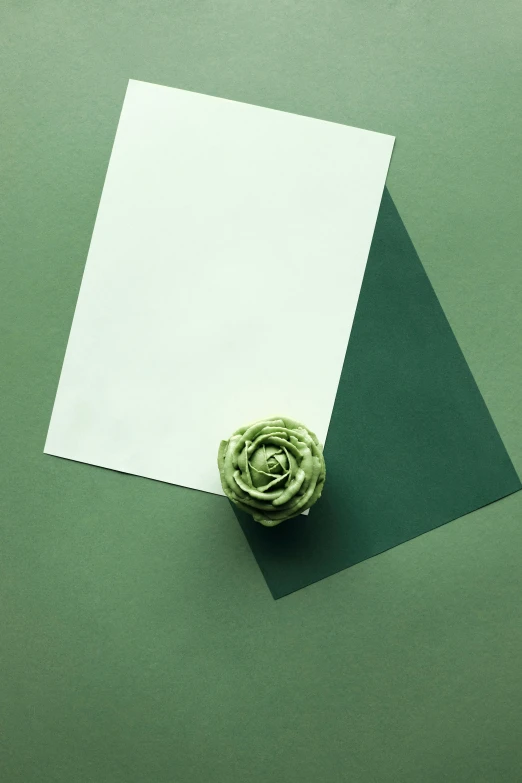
(411, 444)
(221, 282)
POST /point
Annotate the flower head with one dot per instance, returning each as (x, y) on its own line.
(273, 469)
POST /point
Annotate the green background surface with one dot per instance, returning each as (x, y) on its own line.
(138, 640)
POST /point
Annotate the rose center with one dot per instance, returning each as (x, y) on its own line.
(266, 463)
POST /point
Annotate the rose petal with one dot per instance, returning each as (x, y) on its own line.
(291, 490)
(254, 493)
(277, 480)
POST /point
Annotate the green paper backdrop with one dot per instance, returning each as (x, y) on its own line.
(411, 444)
(139, 641)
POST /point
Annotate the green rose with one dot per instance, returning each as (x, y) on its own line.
(273, 469)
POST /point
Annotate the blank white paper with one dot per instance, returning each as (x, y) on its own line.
(221, 282)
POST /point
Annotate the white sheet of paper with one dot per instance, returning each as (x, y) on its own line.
(221, 281)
